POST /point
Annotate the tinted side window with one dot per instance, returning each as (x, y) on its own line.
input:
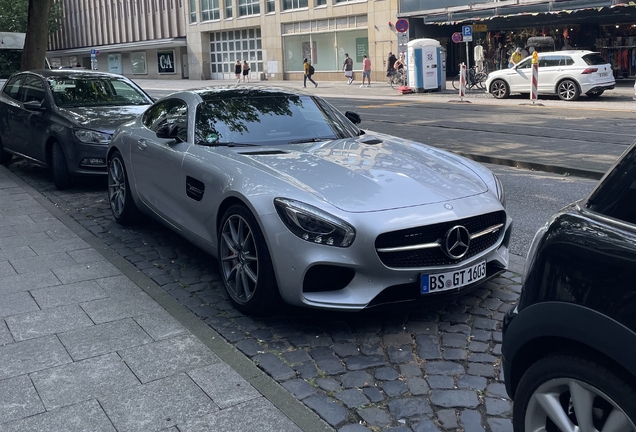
(12, 89)
(594, 59)
(567, 61)
(548, 61)
(168, 111)
(33, 90)
(526, 63)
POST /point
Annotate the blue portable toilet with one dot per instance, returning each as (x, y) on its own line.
(426, 68)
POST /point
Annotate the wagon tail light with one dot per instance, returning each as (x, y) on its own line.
(589, 71)
(314, 225)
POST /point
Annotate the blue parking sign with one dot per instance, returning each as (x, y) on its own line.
(467, 33)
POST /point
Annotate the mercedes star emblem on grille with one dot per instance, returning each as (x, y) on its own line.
(457, 242)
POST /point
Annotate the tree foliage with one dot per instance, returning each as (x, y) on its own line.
(14, 16)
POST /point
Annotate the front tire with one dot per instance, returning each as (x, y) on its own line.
(499, 89)
(121, 202)
(59, 167)
(568, 90)
(567, 392)
(245, 263)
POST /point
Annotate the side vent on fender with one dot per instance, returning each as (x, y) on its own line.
(194, 188)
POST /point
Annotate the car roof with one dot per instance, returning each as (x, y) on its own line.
(211, 93)
(73, 73)
(569, 52)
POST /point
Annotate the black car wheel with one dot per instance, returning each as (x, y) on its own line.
(568, 90)
(499, 89)
(61, 176)
(245, 262)
(123, 207)
(566, 392)
(5, 157)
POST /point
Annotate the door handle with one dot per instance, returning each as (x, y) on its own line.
(142, 144)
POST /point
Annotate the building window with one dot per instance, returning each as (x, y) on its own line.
(249, 7)
(228, 9)
(138, 61)
(270, 6)
(193, 11)
(320, 2)
(226, 47)
(294, 4)
(210, 10)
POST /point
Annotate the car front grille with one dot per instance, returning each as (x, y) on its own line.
(435, 256)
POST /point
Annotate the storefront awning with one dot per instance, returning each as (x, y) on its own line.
(123, 47)
(481, 12)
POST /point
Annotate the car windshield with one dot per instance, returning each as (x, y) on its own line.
(265, 119)
(594, 59)
(71, 92)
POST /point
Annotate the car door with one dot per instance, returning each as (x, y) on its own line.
(550, 67)
(10, 110)
(36, 123)
(519, 77)
(157, 163)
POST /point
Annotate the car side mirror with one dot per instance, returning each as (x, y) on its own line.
(353, 117)
(34, 106)
(169, 131)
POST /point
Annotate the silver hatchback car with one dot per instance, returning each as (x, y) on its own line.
(567, 74)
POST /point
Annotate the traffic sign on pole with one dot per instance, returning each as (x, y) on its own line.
(402, 25)
(467, 33)
(457, 37)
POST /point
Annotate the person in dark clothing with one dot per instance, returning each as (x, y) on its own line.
(390, 70)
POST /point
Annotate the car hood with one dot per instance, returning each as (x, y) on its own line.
(371, 173)
(103, 119)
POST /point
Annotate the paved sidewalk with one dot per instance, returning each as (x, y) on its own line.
(88, 343)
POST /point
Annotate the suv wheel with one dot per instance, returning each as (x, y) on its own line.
(569, 392)
(568, 90)
(499, 89)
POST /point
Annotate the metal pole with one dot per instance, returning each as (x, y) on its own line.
(467, 58)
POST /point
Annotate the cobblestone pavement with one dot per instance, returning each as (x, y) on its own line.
(431, 368)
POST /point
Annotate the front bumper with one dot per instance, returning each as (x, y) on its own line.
(371, 283)
(83, 159)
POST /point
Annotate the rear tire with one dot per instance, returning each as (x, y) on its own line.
(121, 202)
(5, 157)
(245, 263)
(568, 90)
(59, 167)
(573, 389)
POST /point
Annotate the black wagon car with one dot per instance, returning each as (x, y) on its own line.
(569, 346)
(64, 119)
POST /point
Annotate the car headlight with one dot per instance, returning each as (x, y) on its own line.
(91, 137)
(500, 191)
(314, 225)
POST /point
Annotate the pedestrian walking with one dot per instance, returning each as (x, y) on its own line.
(309, 71)
(366, 71)
(347, 66)
(246, 71)
(237, 71)
(390, 70)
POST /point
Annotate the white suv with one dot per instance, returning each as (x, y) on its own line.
(567, 74)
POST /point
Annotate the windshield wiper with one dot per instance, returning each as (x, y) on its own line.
(227, 144)
(309, 140)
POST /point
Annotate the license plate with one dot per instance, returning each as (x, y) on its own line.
(431, 283)
(603, 74)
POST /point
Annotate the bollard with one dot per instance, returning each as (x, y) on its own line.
(462, 81)
(534, 95)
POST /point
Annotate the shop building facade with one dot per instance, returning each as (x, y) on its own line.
(606, 26)
(202, 39)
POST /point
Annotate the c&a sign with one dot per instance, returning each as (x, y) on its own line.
(165, 62)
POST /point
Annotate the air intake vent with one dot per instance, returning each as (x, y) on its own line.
(263, 153)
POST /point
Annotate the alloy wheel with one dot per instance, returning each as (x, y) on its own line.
(499, 89)
(116, 186)
(568, 90)
(574, 406)
(239, 258)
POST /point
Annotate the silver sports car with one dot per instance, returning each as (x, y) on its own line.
(296, 202)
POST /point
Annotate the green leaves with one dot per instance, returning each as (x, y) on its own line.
(14, 15)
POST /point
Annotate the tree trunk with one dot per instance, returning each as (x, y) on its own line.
(37, 35)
